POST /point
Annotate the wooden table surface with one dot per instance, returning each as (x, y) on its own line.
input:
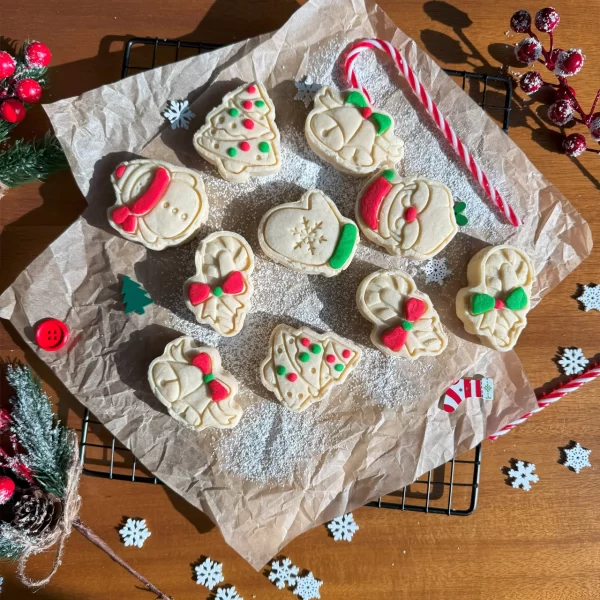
(544, 544)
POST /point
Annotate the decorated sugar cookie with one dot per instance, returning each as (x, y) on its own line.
(303, 366)
(240, 136)
(411, 217)
(189, 380)
(219, 293)
(496, 303)
(343, 130)
(158, 204)
(309, 236)
(404, 321)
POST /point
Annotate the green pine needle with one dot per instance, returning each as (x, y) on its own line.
(8, 549)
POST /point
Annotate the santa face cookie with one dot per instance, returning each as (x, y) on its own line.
(219, 293)
(496, 303)
(405, 324)
(344, 131)
(189, 380)
(309, 236)
(303, 366)
(411, 217)
(158, 204)
(240, 136)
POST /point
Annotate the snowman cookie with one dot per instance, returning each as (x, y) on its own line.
(189, 380)
(404, 321)
(240, 136)
(309, 236)
(495, 304)
(219, 293)
(344, 131)
(158, 204)
(412, 217)
(303, 366)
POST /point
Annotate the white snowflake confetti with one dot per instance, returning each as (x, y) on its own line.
(436, 270)
(135, 532)
(590, 298)
(523, 476)
(573, 361)
(307, 90)
(284, 573)
(577, 458)
(209, 573)
(178, 113)
(307, 587)
(229, 593)
(343, 528)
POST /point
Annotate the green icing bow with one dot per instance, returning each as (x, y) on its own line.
(482, 303)
(383, 122)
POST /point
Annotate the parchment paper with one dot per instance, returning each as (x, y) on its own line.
(278, 474)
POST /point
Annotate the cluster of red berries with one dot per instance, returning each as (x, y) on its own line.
(16, 89)
(563, 63)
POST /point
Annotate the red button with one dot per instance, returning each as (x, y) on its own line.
(51, 335)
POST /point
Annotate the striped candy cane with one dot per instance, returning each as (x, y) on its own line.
(434, 111)
(547, 398)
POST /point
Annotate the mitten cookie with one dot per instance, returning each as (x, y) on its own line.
(189, 380)
(240, 136)
(219, 293)
(303, 366)
(496, 303)
(158, 204)
(405, 322)
(343, 130)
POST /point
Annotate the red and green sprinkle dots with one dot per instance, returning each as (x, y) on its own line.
(251, 89)
(264, 146)
(305, 342)
(234, 112)
(246, 105)
(231, 152)
(346, 353)
(281, 370)
(304, 357)
(259, 103)
(330, 358)
(245, 146)
(339, 367)
(316, 349)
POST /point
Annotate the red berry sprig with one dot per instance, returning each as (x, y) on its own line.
(563, 63)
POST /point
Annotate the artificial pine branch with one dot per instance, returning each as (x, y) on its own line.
(8, 549)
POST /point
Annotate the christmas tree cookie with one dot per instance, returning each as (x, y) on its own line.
(345, 131)
(158, 204)
(412, 217)
(495, 304)
(219, 293)
(189, 380)
(303, 366)
(405, 324)
(309, 236)
(240, 136)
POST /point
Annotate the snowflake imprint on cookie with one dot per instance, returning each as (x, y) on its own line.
(135, 532)
(308, 233)
(577, 458)
(209, 573)
(307, 90)
(283, 573)
(343, 528)
(178, 113)
(307, 587)
(572, 361)
(590, 297)
(523, 476)
(436, 270)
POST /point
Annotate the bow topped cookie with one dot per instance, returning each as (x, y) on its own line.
(405, 322)
(345, 131)
(219, 293)
(496, 303)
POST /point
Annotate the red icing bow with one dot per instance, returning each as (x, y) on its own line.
(395, 337)
(218, 391)
(234, 284)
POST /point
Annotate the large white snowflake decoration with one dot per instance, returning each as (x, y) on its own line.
(178, 113)
(307, 90)
(523, 476)
(229, 593)
(577, 458)
(135, 532)
(343, 528)
(572, 361)
(307, 587)
(590, 297)
(436, 270)
(283, 573)
(209, 573)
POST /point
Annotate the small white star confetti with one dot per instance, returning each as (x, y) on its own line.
(135, 532)
(577, 458)
(178, 114)
(572, 361)
(436, 270)
(590, 297)
(307, 90)
(343, 528)
(523, 476)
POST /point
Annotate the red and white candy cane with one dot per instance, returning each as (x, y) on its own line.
(434, 111)
(547, 398)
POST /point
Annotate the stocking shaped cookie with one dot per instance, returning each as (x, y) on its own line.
(411, 217)
(189, 380)
(343, 130)
(496, 303)
(303, 366)
(309, 236)
(240, 136)
(158, 204)
(219, 293)
(404, 321)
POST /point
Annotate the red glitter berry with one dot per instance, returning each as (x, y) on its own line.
(520, 21)
(547, 19)
(566, 93)
(12, 110)
(7, 65)
(7, 489)
(531, 82)
(38, 54)
(4, 419)
(595, 127)
(574, 144)
(28, 90)
(561, 112)
(569, 63)
(528, 50)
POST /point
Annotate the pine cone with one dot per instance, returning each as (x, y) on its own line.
(36, 512)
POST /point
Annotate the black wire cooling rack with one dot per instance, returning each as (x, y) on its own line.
(441, 491)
